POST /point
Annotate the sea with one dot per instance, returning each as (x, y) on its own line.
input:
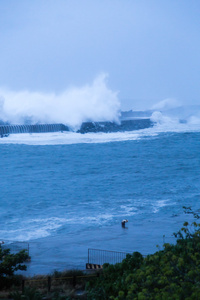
(64, 193)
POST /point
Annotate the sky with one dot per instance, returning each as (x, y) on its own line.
(149, 49)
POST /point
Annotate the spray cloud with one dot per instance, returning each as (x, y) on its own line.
(94, 102)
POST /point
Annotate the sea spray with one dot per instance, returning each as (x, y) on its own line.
(166, 104)
(92, 102)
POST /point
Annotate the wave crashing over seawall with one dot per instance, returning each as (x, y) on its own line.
(106, 127)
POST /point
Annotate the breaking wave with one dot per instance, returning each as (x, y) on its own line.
(93, 110)
(94, 102)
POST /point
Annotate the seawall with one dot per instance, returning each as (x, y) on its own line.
(124, 125)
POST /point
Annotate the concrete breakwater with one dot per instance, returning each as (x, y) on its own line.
(124, 125)
(10, 129)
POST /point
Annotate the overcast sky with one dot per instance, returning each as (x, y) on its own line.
(149, 48)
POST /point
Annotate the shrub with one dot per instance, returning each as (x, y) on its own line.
(9, 263)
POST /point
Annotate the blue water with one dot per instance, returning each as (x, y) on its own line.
(64, 198)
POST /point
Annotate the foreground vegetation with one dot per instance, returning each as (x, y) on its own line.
(171, 273)
(10, 263)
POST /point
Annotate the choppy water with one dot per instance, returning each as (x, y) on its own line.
(65, 193)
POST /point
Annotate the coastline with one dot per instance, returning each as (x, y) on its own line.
(53, 253)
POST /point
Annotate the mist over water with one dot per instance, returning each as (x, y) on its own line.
(172, 113)
(92, 102)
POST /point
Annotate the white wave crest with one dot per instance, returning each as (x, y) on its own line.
(160, 118)
(181, 119)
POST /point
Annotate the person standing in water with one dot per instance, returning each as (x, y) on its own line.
(124, 222)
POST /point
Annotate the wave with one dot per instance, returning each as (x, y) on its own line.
(93, 102)
(182, 119)
(41, 227)
(132, 125)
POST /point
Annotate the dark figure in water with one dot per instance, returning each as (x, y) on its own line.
(124, 222)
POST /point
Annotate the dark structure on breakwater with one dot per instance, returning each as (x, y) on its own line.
(124, 125)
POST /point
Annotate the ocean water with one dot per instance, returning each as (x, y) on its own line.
(65, 192)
